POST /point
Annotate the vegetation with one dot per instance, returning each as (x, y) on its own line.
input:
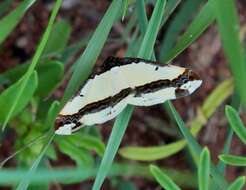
(28, 108)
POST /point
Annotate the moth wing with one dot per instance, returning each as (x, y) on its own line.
(79, 101)
(153, 73)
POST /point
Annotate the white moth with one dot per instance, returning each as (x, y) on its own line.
(124, 81)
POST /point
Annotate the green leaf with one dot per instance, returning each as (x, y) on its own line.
(78, 154)
(236, 123)
(38, 53)
(228, 24)
(237, 184)
(197, 27)
(233, 160)
(10, 93)
(151, 153)
(163, 179)
(50, 75)
(203, 169)
(9, 22)
(122, 120)
(88, 142)
(58, 38)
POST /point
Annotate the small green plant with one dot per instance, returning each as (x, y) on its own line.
(28, 108)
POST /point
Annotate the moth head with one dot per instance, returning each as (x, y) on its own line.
(64, 126)
(189, 81)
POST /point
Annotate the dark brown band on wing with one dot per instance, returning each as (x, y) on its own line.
(188, 75)
(92, 108)
(181, 92)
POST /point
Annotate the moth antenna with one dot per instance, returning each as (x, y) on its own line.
(38, 139)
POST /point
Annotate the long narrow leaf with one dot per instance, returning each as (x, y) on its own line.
(152, 153)
(233, 160)
(203, 169)
(9, 22)
(197, 27)
(163, 179)
(228, 24)
(237, 184)
(236, 123)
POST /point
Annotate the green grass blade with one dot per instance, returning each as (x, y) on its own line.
(122, 120)
(148, 42)
(195, 147)
(151, 153)
(203, 170)
(178, 23)
(12, 176)
(9, 22)
(86, 61)
(27, 177)
(35, 60)
(237, 184)
(228, 24)
(233, 160)
(165, 181)
(141, 16)
(196, 28)
(236, 123)
(171, 6)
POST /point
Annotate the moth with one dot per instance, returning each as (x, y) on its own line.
(123, 81)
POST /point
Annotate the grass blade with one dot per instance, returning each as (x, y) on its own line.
(151, 153)
(233, 160)
(196, 28)
(9, 22)
(178, 23)
(35, 60)
(12, 176)
(237, 184)
(163, 179)
(228, 24)
(122, 120)
(203, 170)
(236, 123)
